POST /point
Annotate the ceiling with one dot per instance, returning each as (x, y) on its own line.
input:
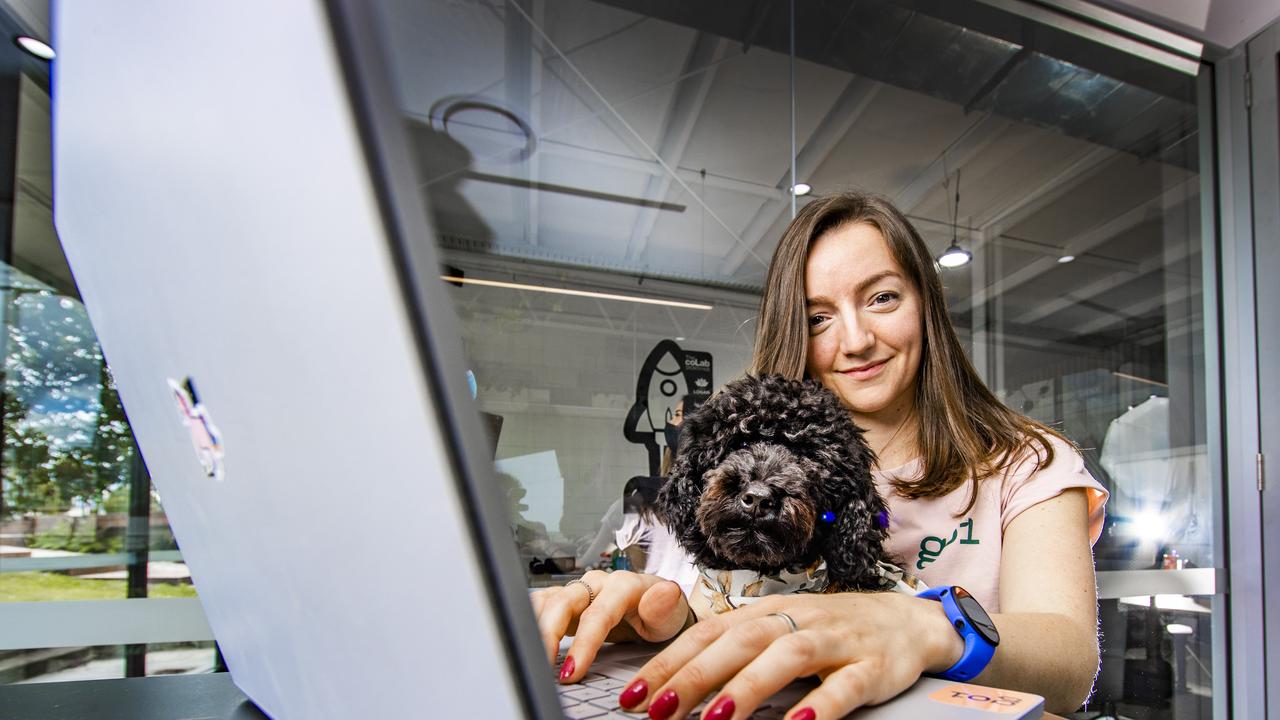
(650, 141)
(651, 138)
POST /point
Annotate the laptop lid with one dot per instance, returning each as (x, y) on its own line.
(232, 199)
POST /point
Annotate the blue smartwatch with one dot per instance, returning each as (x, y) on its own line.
(975, 627)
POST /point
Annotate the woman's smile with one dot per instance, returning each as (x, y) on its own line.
(865, 372)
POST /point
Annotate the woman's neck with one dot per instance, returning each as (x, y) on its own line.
(891, 434)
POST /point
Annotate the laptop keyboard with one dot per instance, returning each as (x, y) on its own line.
(595, 697)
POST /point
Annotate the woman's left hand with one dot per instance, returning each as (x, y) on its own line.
(866, 647)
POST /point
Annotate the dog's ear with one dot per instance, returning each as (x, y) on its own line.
(855, 543)
(679, 497)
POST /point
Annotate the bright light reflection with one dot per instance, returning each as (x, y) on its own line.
(1146, 525)
(35, 47)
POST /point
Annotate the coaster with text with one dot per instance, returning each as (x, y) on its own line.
(987, 699)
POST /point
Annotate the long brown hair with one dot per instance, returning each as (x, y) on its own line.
(963, 431)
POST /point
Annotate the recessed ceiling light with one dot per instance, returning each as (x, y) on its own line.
(679, 339)
(1066, 258)
(36, 47)
(801, 189)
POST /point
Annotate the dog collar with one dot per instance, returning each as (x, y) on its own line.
(729, 589)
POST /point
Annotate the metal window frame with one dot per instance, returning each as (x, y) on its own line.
(1237, 386)
(1262, 100)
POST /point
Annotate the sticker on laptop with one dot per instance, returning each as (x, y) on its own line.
(204, 434)
(977, 697)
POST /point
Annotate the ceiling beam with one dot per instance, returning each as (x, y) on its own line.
(975, 138)
(1029, 203)
(1136, 310)
(616, 161)
(1105, 284)
(1083, 243)
(687, 99)
(841, 116)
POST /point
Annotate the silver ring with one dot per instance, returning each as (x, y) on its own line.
(790, 621)
(591, 594)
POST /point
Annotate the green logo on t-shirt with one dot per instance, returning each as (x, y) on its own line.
(931, 547)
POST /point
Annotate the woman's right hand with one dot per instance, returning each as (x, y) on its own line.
(627, 607)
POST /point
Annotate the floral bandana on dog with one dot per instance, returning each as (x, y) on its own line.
(726, 590)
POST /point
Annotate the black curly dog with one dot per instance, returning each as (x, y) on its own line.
(759, 466)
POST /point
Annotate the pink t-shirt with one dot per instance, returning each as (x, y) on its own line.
(941, 548)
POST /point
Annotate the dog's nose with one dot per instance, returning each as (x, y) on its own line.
(758, 500)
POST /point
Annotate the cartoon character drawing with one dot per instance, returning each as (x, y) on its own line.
(668, 374)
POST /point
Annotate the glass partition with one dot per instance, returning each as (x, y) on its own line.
(78, 518)
(575, 152)
(607, 181)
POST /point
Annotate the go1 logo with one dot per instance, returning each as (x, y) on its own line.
(977, 697)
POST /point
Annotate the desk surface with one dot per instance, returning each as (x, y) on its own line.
(163, 697)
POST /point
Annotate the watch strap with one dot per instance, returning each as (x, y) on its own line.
(977, 650)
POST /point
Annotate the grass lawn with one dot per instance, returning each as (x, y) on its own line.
(39, 586)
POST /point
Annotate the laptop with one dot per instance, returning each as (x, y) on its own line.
(237, 205)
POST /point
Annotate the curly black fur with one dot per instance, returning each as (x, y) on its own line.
(790, 444)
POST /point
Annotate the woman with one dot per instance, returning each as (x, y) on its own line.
(979, 497)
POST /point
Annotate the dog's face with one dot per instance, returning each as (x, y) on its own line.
(772, 474)
(758, 508)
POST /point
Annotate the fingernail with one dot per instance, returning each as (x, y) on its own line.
(721, 709)
(566, 670)
(804, 714)
(634, 693)
(664, 705)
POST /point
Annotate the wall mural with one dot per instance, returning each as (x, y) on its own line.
(668, 374)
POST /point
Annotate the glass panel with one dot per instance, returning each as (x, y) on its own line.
(1157, 659)
(644, 149)
(77, 515)
(105, 662)
(560, 152)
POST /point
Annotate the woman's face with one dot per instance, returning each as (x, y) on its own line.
(865, 330)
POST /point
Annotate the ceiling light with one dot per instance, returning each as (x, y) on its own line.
(679, 339)
(1066, 258)
(801, 189)
(575, 293)
(36, 47)
(954, 256)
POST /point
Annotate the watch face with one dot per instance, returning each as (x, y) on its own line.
(978, 617)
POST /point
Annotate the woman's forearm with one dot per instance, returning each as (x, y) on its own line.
(1046, 654)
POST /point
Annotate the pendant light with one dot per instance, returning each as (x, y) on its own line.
(955, 256)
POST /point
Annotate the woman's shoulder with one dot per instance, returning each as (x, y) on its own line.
(1035, 477)
(1042, 453)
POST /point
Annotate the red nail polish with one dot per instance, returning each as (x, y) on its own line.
(634, 693)
(664, 705)
(804, 714)
(721, 709)
(566, 670)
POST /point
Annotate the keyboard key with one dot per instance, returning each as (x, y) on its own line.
(585, 693)
(582, 712)
(606, 683)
